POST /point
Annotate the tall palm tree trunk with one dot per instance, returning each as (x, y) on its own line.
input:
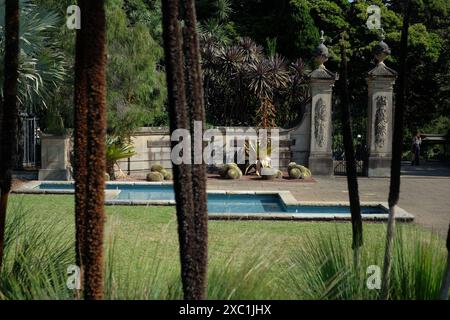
(397, 141)
(90, 148)
(192, 224)
(352, 180)
(9, 113)
(446, 279)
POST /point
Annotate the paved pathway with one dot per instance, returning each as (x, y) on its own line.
(426, 196)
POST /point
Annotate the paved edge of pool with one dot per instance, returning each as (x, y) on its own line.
(286, 197)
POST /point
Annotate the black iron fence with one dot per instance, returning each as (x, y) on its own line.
(30, 141)
(340, 168)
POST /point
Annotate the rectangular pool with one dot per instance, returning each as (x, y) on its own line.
(218, 202)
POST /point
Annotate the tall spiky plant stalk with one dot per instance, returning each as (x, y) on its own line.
(195, 100)
(80, 143)
(397, 141)
(352, 180)
(192, 222)
(446, 279)
(9, 112)
(90, 148)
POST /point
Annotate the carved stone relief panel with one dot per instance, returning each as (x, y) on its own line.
(380, 121)
(320, 122)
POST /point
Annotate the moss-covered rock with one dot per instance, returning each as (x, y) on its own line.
(157, 168)
(155, 176)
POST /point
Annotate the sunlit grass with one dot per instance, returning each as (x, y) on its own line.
(247, 259)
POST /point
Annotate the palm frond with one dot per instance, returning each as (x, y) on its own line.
(42, 65)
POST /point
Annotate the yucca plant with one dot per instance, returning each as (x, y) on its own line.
(116, 150)
(230, 60)
(247, 85)
(265, 76)
(251, 50)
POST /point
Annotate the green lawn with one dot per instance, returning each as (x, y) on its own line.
(141, 226)
(142, 246)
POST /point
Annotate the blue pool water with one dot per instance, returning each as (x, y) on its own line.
(221, 203)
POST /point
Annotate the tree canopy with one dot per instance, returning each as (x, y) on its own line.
(136, 91)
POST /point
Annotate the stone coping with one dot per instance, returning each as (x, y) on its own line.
(286, 197)
(142, 131)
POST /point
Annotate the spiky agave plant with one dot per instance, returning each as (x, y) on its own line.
(8, 111)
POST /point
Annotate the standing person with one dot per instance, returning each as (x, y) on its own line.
(416, 142)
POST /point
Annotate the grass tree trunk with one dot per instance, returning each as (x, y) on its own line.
(192, 223)
(397, 142)
(90, 153)
(195, 100)
(352, 180)
(80, 143)
(446, 279)
(9, 112)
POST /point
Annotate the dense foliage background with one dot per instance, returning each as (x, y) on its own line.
(283, 33)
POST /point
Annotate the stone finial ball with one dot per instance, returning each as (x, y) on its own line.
(381, 51)
(321, 53)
